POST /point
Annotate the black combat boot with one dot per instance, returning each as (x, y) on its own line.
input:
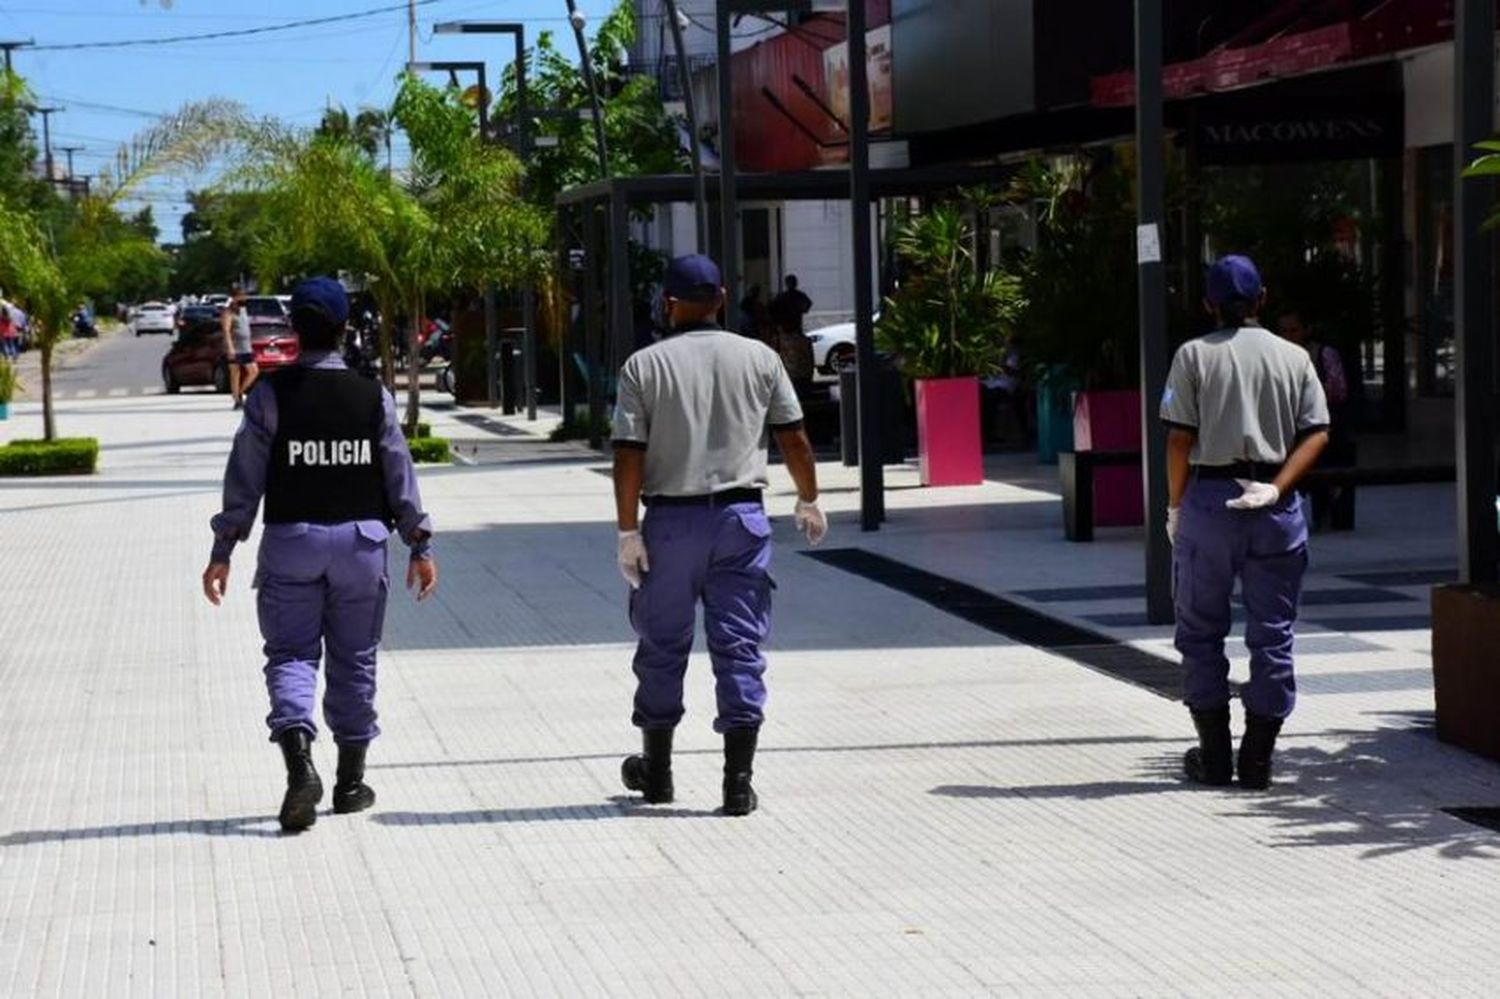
(739, 755)
(351, 793)
(651, 772)
(299, 809)
(1211, 762)
(1255, 751)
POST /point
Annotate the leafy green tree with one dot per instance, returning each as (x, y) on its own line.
(641, 136)
(218, 237)
(369, 129)
(59, 253)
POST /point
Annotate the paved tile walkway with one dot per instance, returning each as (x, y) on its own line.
(945, 812)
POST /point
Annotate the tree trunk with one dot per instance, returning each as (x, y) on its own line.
(387, 350)
(413, 370)
(49, 423)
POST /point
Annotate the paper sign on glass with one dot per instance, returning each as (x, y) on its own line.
(1147, 244)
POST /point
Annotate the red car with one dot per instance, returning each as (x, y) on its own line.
(199, 356)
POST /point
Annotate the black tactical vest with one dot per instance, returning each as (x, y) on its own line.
(325, 459)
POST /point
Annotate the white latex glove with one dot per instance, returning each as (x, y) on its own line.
(812, 521)
(1257, 496)
(1173, 514)
(634, 563)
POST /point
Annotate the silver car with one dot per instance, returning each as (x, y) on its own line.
(153, 317)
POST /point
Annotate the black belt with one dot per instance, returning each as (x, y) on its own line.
(725, 498)
(1255, 471)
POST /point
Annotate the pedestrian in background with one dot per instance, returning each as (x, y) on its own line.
(690, 435)
(235, 322)
(1332, 506)
(10, 335)
(1246, 419)
(324, 448)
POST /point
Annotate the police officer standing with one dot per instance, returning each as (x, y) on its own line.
(690, 443)
(1246, 419)
(324, 448)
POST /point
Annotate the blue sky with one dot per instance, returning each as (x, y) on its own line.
(110, 94)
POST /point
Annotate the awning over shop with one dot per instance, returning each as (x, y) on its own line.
(1295, 38)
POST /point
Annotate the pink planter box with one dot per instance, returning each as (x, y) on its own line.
(1111, 421)
(948, 432)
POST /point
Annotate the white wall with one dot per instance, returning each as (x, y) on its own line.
(816, 245)
(1429, 97)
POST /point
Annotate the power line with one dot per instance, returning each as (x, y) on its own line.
(259, 30)
(235, 33)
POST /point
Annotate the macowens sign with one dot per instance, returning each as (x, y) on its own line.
(1364, 128)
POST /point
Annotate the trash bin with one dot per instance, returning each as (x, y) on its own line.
(891, 412)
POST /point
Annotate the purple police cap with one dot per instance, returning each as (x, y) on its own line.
(693, 278)
(322, 294)
(1234, 278)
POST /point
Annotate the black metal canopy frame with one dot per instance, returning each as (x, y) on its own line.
(605, 206)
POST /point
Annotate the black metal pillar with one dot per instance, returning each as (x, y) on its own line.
(729, 235)
(690, 110)
(1392, 294)
(621, 316)
(565, 339)
(1150, 211)
(491, 310)
(1474, 296)
(593, 328)
(528, 292)
(871, 451)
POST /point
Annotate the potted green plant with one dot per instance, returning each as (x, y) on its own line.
(9, 385)
(1079, 330)
(950, 325)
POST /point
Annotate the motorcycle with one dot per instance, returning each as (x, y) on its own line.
(83, 325)
(437, 342)
(362, 346)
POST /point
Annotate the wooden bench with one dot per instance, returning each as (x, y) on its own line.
(1076, 471)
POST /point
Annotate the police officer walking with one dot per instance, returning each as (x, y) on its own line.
(690, 434)
(1246, 419)
(324, 448)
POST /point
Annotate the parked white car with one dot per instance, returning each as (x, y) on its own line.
(833, 349)
(153, 317)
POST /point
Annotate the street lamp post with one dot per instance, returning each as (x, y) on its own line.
(523, 114)
(689, 106)
(491, 324)
(578, 21)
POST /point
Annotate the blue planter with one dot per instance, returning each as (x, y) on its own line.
(4, 410)
(1054, 415)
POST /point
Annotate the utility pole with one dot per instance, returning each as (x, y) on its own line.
(72, 184)
(10, 47)
(46, 114)
(411, 30)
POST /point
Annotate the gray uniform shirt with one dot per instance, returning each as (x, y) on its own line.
(1247, 393)
(700, 403)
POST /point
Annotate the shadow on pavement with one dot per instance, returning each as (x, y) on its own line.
(103, 502)
(884, 747)
(616, 808)
(249, 825)
(1381, 791)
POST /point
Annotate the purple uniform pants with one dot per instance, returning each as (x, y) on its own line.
(1266, 550)
(322, 596)
(721, 556)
